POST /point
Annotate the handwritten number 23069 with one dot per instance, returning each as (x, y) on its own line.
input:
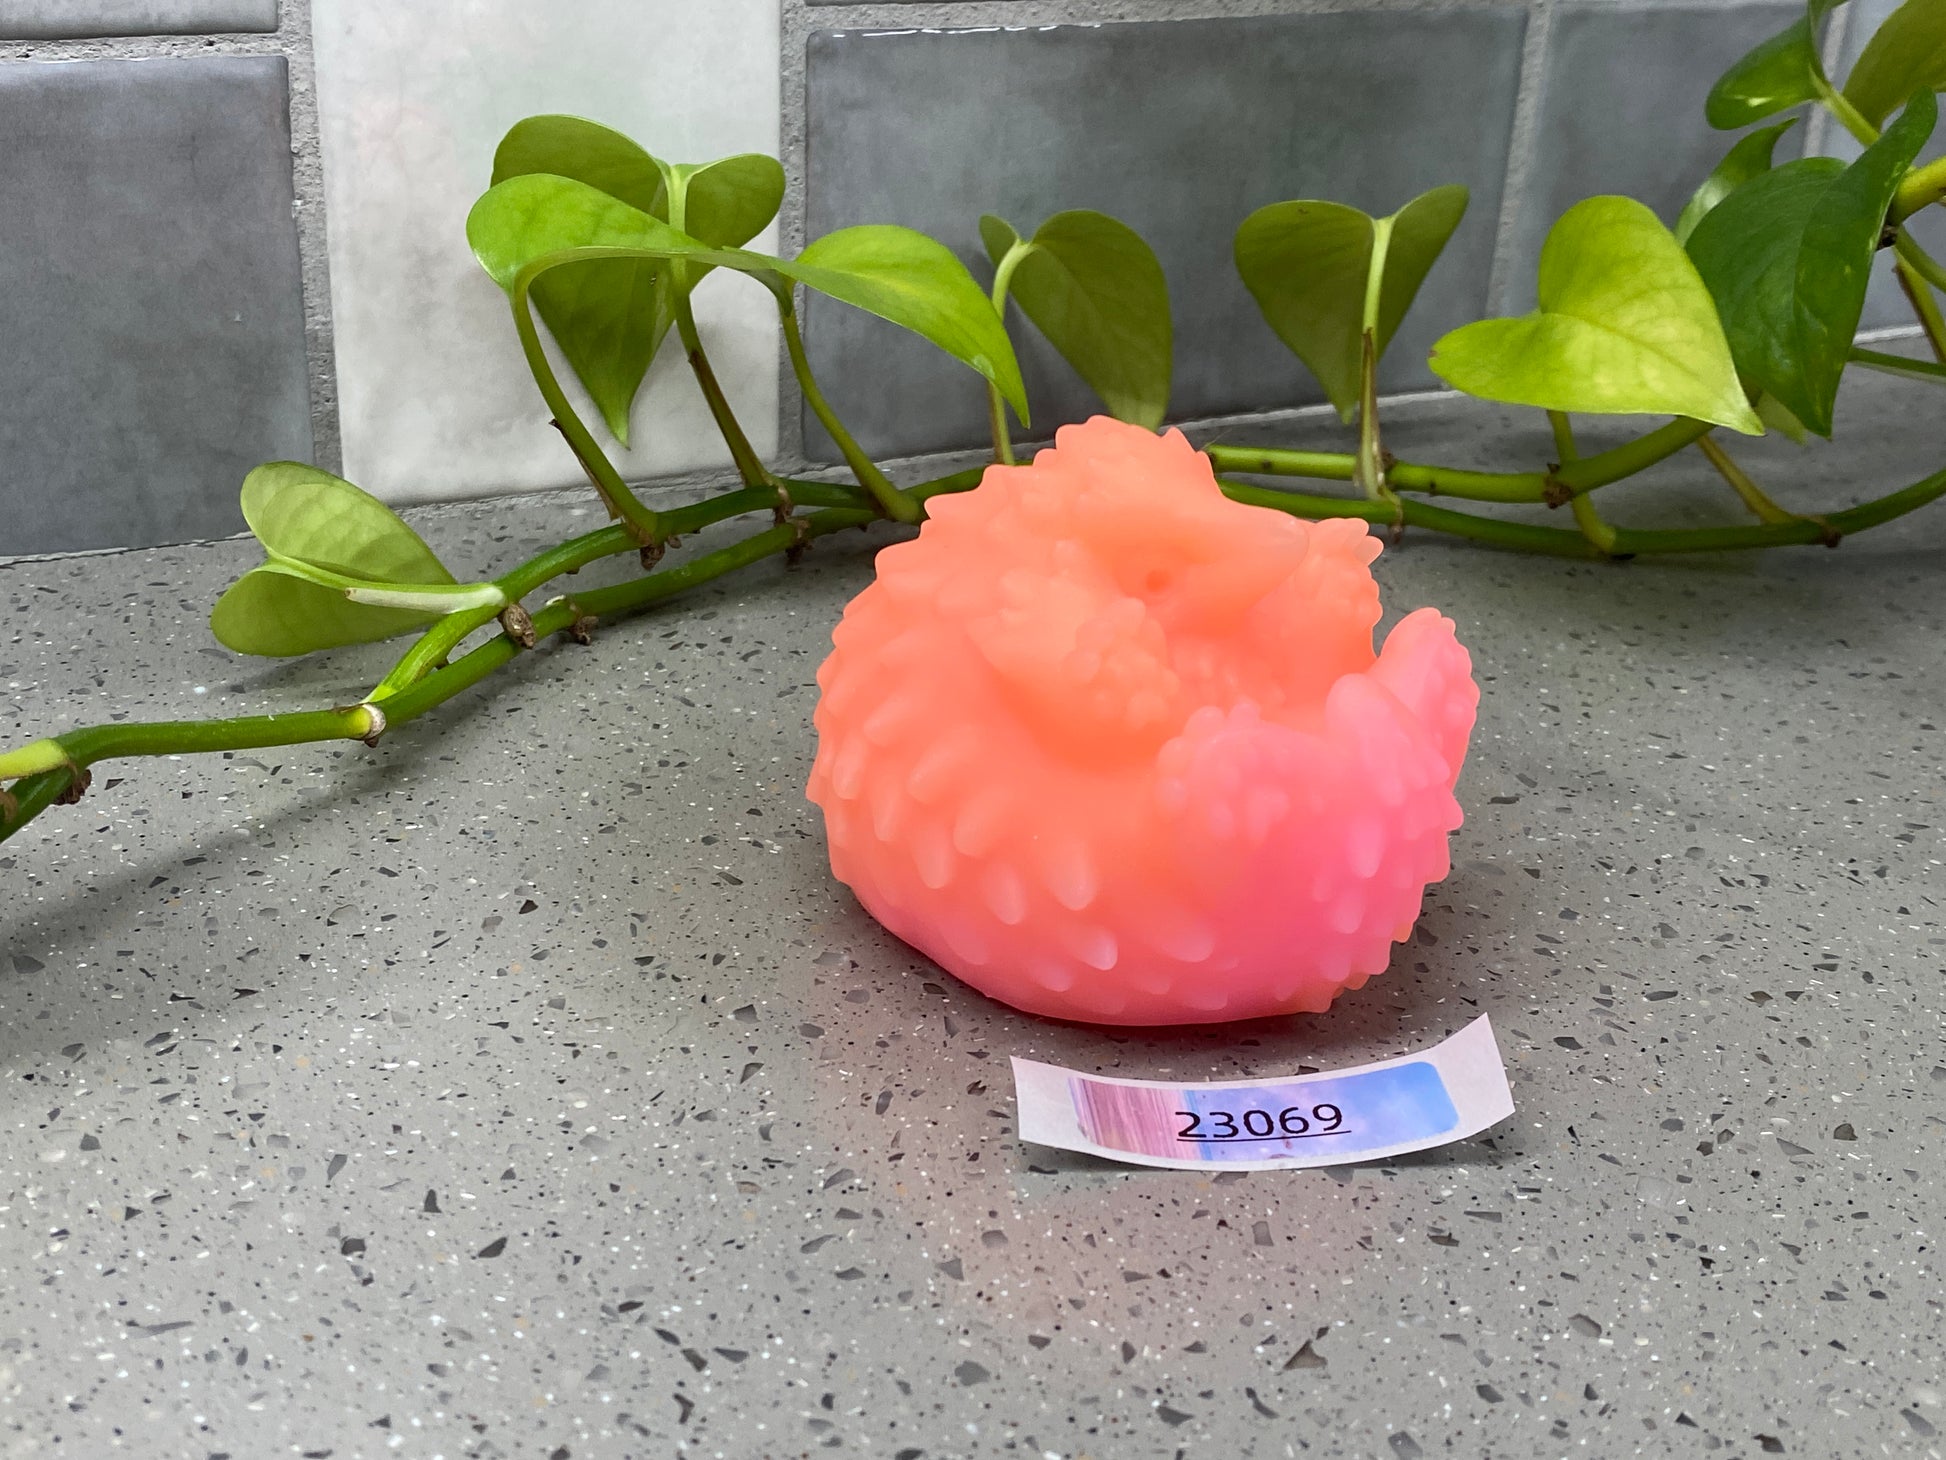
(1260, 1125)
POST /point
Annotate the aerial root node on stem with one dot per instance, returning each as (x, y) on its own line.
(518, 624)
(794, 554)
(1555, 492)
(77, 787)
(582, 630)
(375, 725)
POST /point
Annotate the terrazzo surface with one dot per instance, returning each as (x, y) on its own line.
(525, 1087)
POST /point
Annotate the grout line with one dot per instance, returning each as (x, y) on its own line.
(314, 256)
(979, 14)
(1520, 152)
(147, 47)
(793, 150)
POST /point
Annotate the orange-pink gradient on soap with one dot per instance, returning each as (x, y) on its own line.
(1111, 747)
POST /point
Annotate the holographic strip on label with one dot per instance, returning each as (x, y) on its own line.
(1454, 1090)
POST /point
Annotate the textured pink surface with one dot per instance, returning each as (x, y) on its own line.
(1112, 747)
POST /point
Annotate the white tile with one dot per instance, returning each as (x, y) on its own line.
(435, 400)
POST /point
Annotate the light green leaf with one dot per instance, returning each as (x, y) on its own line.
(1750, 156)
(1306, 264)
(609, 316)
(310, 517)
(1625, 327)
(999, 237)
(1906, 54)
(1789, 254)
(268, 611)
(1096, 290)
(1781, 72)
(915, 281)
(727, 202)
(524, 219)
(889, 271)
(575, 147)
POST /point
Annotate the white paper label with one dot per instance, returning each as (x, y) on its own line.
(1455, 1089)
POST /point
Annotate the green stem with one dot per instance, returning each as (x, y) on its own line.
(748, 464)
(1742, 483)
(1584, 475)
(1922, 187)
(1922, 263)
(1589, 472)
(1525, 536)
(1563, 430)
(892, 502)
(1586, 517)
(175, 737)
(439, 641)
(1847, 114)
(1924, 370)
(1627, 542)
(1003, 445)
(959, 481)
(1003, 275)
(614, 492)
(1919, 292)
(1370, 474)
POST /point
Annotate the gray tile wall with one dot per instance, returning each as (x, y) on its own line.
(150, 298)
(63, 19)
(1180, 129)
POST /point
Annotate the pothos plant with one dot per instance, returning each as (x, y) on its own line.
(1741, 318)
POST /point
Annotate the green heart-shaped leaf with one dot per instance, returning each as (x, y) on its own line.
(525, 219)
(1625, 327)
(915, 281)
(576, 147)
(727, 202)
(1306, 264)
(270, 611)
(1789, 254)
(893, 272)
(310, 518)
(609, 316)
(1906, 54)
(1778, 73)
(1750, 156)
(1096, 290)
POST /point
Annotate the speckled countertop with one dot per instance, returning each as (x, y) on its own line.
(525, 1087)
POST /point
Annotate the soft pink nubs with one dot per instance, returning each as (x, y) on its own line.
(1111, 747)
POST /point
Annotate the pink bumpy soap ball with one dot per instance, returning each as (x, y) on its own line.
(1112, 747)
